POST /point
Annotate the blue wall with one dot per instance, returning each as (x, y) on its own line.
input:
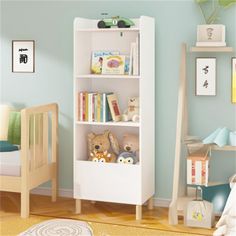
(50, 24)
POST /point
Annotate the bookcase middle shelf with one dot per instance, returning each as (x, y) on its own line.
(109, 123)
(101, 76)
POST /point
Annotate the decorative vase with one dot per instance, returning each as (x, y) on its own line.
(211, 35)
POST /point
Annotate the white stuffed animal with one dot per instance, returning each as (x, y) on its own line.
(132, 113)
(227, 224)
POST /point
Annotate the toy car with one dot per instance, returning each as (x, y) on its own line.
(120, 22)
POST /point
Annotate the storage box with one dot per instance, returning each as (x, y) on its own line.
(197, 170)
(199, 213)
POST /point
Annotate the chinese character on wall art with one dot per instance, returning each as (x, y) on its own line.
(206, 76)
(23, 56)
(233, 80)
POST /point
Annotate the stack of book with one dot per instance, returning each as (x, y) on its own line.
(98, 107)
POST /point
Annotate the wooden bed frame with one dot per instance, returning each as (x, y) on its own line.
(38, 153)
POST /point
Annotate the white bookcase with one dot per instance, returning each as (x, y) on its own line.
(112, 182)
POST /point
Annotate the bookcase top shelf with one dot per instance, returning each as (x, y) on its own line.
(211, 49)
(94, 76)
(108, 30)
(111, 123)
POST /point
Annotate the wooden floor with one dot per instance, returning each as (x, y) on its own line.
(107, 213)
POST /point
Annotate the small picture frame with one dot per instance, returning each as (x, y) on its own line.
(23, 56)
(233, 92)
(205, 76)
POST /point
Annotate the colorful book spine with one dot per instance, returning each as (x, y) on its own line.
(98, 107)
(86, 106)
(94, 107)
(81, 102)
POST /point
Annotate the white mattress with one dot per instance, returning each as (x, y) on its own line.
(10, 163)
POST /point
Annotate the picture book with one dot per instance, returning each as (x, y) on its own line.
(127, 65)
(106, 115)
(114, 107)
(134, 58)
(113, 65)
(97, 60)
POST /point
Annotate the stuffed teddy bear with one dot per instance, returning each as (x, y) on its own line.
(102, 147)
(130, 146)
(132, 113)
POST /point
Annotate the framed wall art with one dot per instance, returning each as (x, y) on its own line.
(205, 76)
(23, 56)
(233, 92)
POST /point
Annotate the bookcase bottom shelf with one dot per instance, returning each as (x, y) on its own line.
(110, 123)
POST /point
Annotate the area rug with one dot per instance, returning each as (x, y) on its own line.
(59, 227)
(12, 225)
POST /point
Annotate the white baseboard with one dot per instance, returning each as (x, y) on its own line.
(47, 192)
(160, 202)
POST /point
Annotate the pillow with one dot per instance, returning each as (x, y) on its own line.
(5, 146)
(4, 120)
(14, 128)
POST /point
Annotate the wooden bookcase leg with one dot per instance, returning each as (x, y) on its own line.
(150, 204)
(77, 206)
(138, 212)
(54, 189)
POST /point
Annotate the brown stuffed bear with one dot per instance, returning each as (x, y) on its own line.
(130, 143)
(102, 147)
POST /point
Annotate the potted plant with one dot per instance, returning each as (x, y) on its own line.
(212, 34)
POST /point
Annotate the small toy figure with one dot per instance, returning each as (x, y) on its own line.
(127, 158)
(120, 22)
(132, 112)
(100, 156)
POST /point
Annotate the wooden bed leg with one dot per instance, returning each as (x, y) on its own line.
(54, 189)
(138, 212)
(25, 195)
(150, 203)
(77, 206)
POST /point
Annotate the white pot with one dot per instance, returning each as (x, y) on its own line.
(211, 35)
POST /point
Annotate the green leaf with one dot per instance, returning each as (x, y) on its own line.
(226, 3)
